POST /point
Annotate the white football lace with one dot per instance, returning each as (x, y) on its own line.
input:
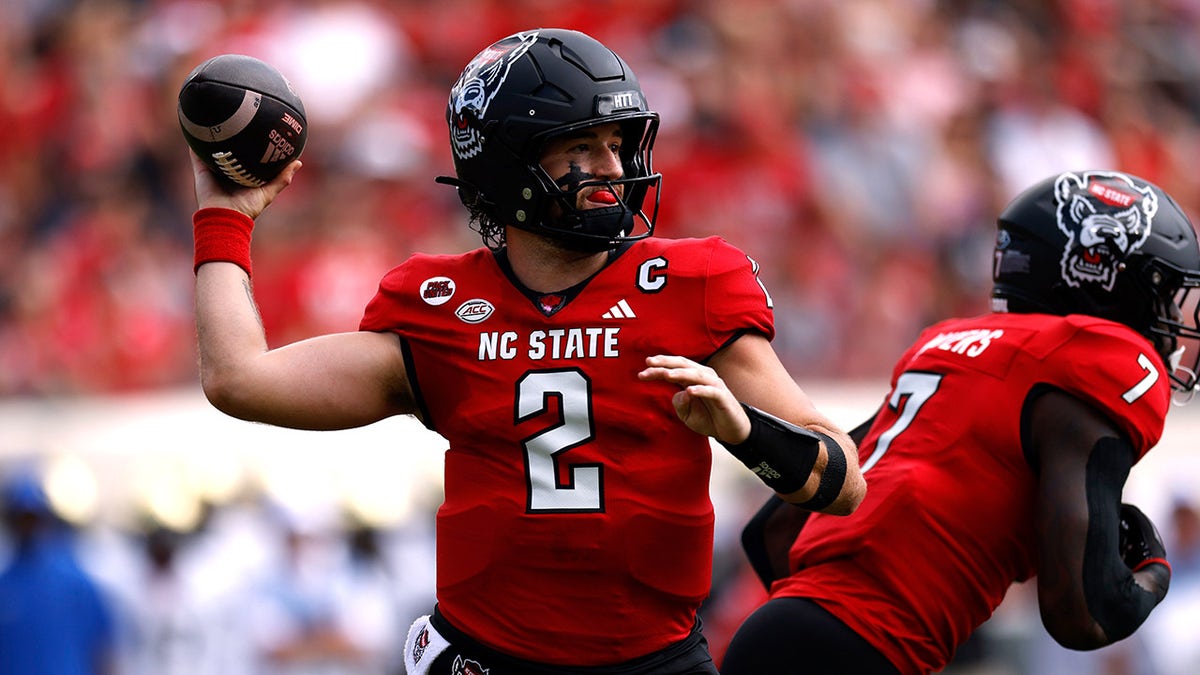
(231, 167)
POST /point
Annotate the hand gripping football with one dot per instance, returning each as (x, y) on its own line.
(242, 117)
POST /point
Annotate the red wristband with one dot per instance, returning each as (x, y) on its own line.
(222, 235)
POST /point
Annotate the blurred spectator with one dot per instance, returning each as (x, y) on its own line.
(864, 140)
(385, 582)
(1184, 535)
(320, 607)
(174, 623)
(1174, 637)
(54, 618)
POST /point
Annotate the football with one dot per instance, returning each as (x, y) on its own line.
(242, 117)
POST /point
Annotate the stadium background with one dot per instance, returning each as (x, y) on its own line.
(858, 149)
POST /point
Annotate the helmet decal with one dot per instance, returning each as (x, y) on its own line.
(1106, 216)
(516, 95)
(1106, 244)
(477, 86)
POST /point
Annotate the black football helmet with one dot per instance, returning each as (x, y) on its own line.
(521, 92)
(1106, 244)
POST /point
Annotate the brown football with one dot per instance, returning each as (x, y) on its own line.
(243, 118)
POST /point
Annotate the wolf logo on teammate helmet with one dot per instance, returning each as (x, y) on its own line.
(1106, 244)
(1106, 216)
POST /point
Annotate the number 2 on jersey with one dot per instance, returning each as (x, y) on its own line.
(547, 494)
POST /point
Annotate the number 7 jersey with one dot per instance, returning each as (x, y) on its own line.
(948, 524)
(577, 527)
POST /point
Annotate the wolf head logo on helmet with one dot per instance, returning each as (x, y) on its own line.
(1105, 216)
(475, 89)
(1105, 244)
(520, 93)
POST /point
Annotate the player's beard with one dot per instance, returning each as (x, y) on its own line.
(585, 228)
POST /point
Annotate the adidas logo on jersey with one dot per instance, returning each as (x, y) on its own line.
(621, 310)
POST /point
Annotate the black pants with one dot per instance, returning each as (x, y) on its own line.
(689, 656)
(794, 635)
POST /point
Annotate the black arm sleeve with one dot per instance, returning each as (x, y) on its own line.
(1114, 599)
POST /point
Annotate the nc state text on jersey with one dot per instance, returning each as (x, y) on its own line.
(557, 343)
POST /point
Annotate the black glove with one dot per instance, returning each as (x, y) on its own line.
(1139, 540)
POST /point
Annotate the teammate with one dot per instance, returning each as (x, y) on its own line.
(1001, 452)
(558, 360)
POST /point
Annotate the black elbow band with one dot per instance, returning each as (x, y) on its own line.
(832, 478)
(780, 453)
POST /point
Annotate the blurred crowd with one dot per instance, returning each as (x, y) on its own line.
(265, 587)
(259, 587)
(858, 149)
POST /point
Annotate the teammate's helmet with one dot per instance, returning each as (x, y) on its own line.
(519, 93)
(1107, 244)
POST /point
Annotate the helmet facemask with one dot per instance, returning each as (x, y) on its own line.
(1174, 327)
(599, 228)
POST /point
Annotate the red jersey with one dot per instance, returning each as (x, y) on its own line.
(577, 526)
(948, 523)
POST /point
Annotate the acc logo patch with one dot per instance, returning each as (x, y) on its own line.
(474, 311)
(437, 290)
